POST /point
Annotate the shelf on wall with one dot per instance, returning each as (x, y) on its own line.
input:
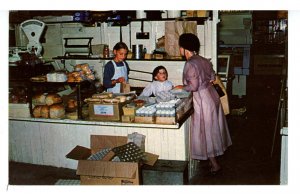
(125, 22)
(100, 58)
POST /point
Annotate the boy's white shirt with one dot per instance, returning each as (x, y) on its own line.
(157, 86)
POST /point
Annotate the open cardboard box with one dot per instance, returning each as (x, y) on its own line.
(99, 172)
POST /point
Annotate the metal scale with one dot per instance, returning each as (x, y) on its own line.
(33, 29)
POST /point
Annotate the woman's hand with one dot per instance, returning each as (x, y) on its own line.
(178, 87)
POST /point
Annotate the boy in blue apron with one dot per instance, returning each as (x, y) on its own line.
(116, 71)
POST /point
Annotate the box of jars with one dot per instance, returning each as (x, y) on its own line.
(166, 111)
(145, 114)
(167, 108)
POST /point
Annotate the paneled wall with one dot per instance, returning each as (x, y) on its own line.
(48, 143)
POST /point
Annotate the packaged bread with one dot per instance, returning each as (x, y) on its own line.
(37, 111)
(100, 96)
(45, 111)
(57, 111)
(40, 78)
(77, 67)
(74, 76)
(93, 100)
(39, 99)
(61, 77)
(90, 76)
(53, 99)
(86, 68)
(56, 77)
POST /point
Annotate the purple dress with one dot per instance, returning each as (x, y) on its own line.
(209, 134)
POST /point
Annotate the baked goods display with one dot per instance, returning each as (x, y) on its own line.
(108, 97)
(81, 72)
(44, 106)
(165, 108)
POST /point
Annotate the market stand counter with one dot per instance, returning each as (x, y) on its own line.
(47, 141)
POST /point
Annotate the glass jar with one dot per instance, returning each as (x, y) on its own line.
(106, 52)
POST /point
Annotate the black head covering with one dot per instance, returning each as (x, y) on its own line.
(189, 42)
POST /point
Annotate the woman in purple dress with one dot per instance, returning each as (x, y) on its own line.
(209, 130)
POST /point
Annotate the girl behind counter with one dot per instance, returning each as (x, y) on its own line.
(160, 82)
(116, 71)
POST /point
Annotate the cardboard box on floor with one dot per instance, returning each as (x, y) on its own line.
(99, 172)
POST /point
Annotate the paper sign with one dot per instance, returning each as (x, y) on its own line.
(107, 110)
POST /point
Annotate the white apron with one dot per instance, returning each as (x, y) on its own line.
(119, 72)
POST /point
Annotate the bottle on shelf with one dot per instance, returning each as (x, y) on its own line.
(106, 52)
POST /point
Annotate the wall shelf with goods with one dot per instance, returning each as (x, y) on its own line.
(269, 48)
(269, 32)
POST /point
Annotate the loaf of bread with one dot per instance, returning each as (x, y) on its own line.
(39, 99)
(45, 111)
(53, 99)
(37, 111)
(57, 111)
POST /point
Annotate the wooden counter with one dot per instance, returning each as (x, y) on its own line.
(47, 141)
